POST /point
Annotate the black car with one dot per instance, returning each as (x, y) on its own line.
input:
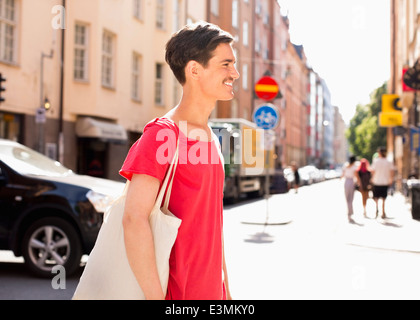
(48, 214)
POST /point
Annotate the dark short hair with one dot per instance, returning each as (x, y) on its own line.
(194, 42)
(382, 151)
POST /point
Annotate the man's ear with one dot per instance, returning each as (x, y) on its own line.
(193, 69)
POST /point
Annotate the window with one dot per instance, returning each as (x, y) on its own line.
(10, 126)
(160, 14)
(266, 54)
(257, 46)
(8, 31)
(257, 42)
(244, 77)
(136, 77)
(214, 7)
(258, 8)
(245, 33)
(266, 19)
(159, 84)
(108, 59)
(138, 9)
(81, 52)
(235, 14)
(264, 49)
(177, 15)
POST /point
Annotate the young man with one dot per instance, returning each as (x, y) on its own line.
(202, 59)
(382, 179)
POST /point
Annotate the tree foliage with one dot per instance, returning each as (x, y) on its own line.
(364, 134)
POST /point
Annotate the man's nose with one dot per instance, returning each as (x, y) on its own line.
(235, 73)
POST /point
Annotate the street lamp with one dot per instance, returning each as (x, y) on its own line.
(40, 119)
(47, 104)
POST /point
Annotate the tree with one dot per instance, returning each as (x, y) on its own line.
(364, 134)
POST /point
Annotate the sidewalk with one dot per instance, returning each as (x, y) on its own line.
(400, 232)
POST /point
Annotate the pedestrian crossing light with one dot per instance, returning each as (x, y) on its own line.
(391, 115)
(2, 89)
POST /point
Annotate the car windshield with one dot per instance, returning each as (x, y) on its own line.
(29, 162)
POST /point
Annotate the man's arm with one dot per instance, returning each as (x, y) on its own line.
(138, 237)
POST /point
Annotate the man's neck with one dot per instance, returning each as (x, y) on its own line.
(194, 110)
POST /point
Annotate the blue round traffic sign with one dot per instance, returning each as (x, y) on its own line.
(266, 116)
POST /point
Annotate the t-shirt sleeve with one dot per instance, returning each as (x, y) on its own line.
(153, 152)
(373, 166)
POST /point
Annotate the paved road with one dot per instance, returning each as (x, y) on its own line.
(319, 255)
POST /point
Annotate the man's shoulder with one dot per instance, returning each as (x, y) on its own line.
(161, 124)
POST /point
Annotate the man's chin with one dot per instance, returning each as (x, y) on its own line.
(227, 98)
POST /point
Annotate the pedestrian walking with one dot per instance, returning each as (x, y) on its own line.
(296, 175)
(382, 179)
(363, 182)
(349, 174)
(203, 61)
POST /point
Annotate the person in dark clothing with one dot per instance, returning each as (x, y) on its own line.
(364, 185)
(296, 175)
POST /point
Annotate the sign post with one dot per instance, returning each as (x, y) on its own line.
(267, 118)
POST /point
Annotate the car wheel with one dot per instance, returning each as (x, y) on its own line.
(49, 242)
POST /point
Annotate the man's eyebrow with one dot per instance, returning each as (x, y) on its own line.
(228, 60)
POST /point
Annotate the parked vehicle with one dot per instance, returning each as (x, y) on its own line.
(246, 162)
(289, 175)
(279, 183)
(309, 174)
(48, 214)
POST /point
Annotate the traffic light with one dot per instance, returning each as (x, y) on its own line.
(2, 99)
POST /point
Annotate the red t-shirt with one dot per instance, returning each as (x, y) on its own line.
(197, 199)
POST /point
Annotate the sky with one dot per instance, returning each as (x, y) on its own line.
(347, 42)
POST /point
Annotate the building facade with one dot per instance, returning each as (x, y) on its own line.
(113, 79)
(340, 141)
(405, 52)
(84, 77)
(236, 17)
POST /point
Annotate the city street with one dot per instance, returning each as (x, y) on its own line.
(301, 248)
(319, 255)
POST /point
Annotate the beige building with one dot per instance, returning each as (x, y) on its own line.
(113, 81)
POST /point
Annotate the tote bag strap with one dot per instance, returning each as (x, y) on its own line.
(174, 165)
(168, 178)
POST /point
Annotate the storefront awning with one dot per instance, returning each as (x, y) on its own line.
(91, 128)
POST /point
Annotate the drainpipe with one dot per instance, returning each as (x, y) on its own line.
(60, 119)
(252, 42)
